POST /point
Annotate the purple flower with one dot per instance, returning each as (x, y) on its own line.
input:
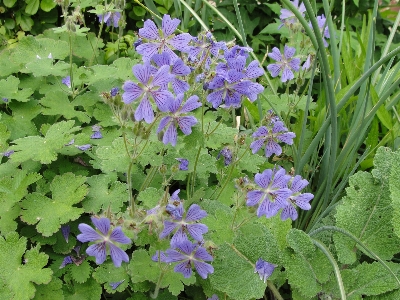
(84, 147)
(296, 199)
(5, 100)
(151, 86)
(321, 20)
(285, 64)
(71, 142)
(213, 297)
(288, 17)
(227, 154)
(204, 47)
(114, 91)
(189, 254)
(114, 285)
(275, 133)
(67, 260)
(175, 119)
(104, 239)
(66, 81)
(163, 40)
(138, 42)
(264, 269)
(184, 164)
(110, 17)
(233, 80)
(189, 224)
(273, 193)
(96, 132)
(65, 229)
(178, 68)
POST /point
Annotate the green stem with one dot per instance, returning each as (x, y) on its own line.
(360, 243)
(154, 295)
(274, 290)
(332, 260)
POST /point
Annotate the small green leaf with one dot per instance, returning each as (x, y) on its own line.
(32, 6)
(26, 22)
(90, 290)
(50, 291)
(82, 272)
(9, 3)
(139, 11)
(107, 273)
(47, 5)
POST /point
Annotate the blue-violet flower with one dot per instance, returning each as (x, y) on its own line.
(284, 63)
(264, 269)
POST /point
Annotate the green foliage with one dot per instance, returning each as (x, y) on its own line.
(16, 279)
(367, 212)
(49, 214)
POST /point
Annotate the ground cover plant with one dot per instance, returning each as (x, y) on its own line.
(173, 164)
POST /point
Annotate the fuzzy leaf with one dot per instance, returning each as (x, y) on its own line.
(44, 149)
(367, 213)
(9, 89)
(50, 214)
(103, 194)
(17, 280)
(219, 224)
(394, 188)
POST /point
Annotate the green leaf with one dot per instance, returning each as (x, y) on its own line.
(90, 290)
(107, 273)
(17, 280)
(44, 149)
(9, 89)
(45, 67)
(50, 291)
(49, 214)
(104, 194)
(394, 188)
(301, 243)
(47, 5)
(9, 3)
(12, 190)
(32, 6)
(219, 223)
(366, 211)
(112, 159)
(82, 272)
(57, 102)
(142, 268)
(150, 197)
(26, 23)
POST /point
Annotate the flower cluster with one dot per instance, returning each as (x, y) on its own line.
(270, 136)
(183, 251)
(279, 191)
(105, 240)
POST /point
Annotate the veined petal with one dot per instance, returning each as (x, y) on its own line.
(274, 69)
(162, 98)
(162, 76)
(303, 200)
(149, 30)
(254, 197)
(255, 146)
(147, 50)
(271, 209)
(280, 179)
(233, 99)
(289, 212)
(287, 74)
(281, 197)
(275, 54)
(118, 236)
(272, 147)
(144, 111)
(164, 121)
(118, 255)
(216, 83)
(197, 230)
(262, 131)
(298, 184)
(202, 254)
(142, 72)
(162, 59)
(88, 234)
(253, 70)
(102, 224)
(175, 256)
(169, 25)
(191, 104)
(195, 213)
(289, 51)
(203, 269)
(215, 98)
(253, 90)
(295, 64)
(178, 238)
(179, 68)
(287, 137)
(168, 228)
(98, 251)
(170, 135)
(187, 247)
(185, 268)
(186, 123)
(180, 42)
(132, 92)
(263, 179)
